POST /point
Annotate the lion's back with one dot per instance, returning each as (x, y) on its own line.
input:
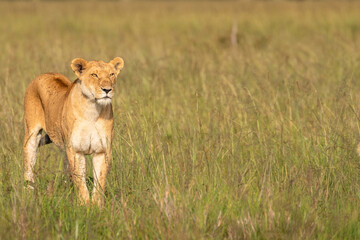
(44, 102)
(48, 86)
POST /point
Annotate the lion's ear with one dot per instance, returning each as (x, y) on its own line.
(118, 64)
(78, 65)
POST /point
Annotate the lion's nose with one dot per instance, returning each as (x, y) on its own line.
(106, 90)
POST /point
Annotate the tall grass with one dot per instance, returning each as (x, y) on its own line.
(212, 140)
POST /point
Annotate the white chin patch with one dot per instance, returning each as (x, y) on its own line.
(103, 101)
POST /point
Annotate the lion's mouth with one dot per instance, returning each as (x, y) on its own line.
(106, 97)
(104, 100)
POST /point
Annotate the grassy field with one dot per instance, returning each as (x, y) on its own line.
(253, 140)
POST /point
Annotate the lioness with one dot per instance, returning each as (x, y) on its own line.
(76, 116)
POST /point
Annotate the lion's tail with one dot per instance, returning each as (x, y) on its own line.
(45, 140)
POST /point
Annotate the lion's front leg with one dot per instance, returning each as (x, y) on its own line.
(101, 163)
(77, 163)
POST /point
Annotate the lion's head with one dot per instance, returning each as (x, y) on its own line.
(97, 78)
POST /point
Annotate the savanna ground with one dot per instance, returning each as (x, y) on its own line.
(253, 140)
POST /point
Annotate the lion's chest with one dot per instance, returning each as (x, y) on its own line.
(89, 137)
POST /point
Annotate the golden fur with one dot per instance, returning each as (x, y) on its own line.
(77, 116)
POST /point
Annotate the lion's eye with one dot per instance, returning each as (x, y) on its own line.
(94, 75)
(112, 74)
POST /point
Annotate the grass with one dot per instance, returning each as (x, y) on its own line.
(212, 140)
